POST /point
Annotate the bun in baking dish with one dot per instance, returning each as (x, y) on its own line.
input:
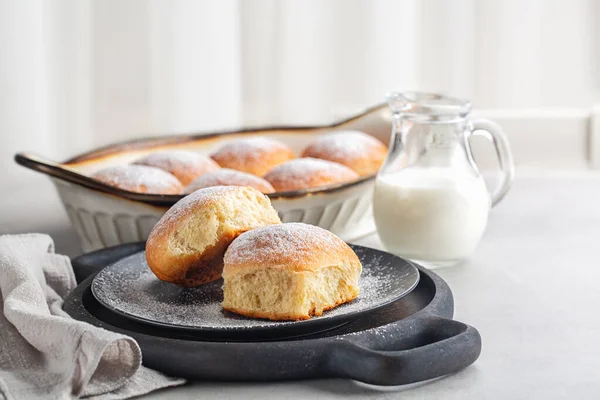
(354, 149)
(229, 177)
(255, 155)
(186, 246)
(289, 271)
(305, 173)
(184, 165)
(139, 179)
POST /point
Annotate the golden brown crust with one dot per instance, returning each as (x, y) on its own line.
(139, 179)
(256, 155)
(186, 246)
(357, 150)
(229, 177)
(184, 165)
(306, 173)
(291, 246)
(189, 270)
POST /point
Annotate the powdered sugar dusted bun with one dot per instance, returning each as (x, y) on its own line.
(186, 246)
(185, 165)
(229, 177)
(357, 150)
(255, 155)
(140, 179)
(288, 272)
(305, 173)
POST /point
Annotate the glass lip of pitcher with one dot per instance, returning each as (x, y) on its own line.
(427, 105)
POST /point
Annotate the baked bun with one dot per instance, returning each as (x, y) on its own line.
(305, 173)
(357, 150)
(185, 165)
(229, 177)
(140, 179)
(186, 246)
(288, 272)
(255, 155)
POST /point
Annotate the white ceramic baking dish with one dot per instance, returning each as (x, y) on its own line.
(105, 216)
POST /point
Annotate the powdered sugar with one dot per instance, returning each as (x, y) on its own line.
(206, 195)
(255, 155)
(250, 148)
(296, 241)
(139, 178)
(229, 177)
(342, 145)
(175, 159)
(185, 165)
(303, 173)
(130, 288)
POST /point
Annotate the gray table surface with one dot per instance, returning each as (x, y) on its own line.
(531, 288)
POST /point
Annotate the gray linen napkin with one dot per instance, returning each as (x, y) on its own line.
(46, 354)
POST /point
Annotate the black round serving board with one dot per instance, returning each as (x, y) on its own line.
(128, 287)
(411, 340)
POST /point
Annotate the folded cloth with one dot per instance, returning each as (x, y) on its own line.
(46, 354)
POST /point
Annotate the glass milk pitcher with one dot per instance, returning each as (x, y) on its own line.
(430, 202)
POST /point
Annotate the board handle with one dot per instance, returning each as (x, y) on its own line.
(438, 347)
(91, 263)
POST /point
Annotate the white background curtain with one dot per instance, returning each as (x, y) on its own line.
(77, 74)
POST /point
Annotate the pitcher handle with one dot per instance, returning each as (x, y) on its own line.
(494, 133)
